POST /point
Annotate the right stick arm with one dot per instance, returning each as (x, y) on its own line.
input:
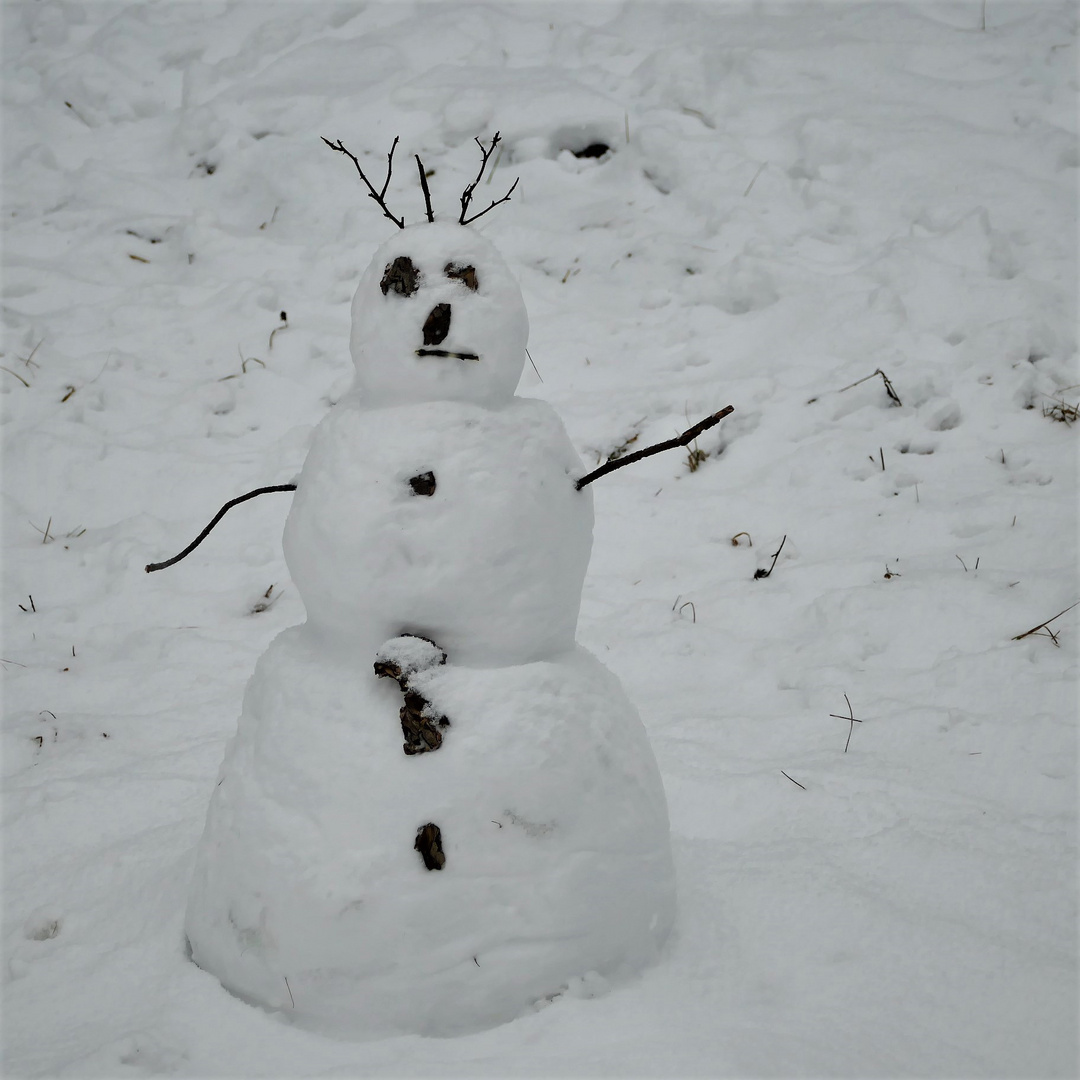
(686, 437)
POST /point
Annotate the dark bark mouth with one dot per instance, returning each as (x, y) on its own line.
(447, 352)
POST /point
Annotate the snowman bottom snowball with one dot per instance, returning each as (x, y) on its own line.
(363, 891)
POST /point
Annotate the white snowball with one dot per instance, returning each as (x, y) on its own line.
(553, 824)
(489, 567)
(388, 326)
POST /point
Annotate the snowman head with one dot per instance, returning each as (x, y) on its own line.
(438, 317)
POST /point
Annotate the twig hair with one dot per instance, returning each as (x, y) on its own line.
(467, 194)
(378, 196)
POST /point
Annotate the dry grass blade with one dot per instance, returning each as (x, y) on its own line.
(1034, 631)
(889, 389)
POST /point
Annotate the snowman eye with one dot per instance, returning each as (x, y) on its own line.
(401, 276)
(466, 274)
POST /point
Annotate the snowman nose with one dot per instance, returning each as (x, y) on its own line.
(437, 325)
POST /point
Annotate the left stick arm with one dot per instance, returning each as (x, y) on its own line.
(151, 567)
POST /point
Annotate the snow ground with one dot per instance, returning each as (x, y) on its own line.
(796, 196)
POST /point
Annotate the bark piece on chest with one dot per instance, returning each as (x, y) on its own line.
(402, 659)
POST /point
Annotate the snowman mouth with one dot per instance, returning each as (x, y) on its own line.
(447, 352)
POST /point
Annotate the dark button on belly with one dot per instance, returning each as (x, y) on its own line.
(424, 484)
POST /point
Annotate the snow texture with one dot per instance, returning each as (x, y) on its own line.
(793, 197)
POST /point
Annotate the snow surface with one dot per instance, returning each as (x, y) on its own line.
(795, 197)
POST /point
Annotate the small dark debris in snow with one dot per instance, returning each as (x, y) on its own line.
(424, 484)
(429, 844)
(1062, 411)
(695, 458)
(625, 445)
(593, 150)
(265, 603)
(208, 167)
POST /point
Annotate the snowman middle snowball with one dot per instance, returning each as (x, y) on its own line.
(489, 565)
(518, 842)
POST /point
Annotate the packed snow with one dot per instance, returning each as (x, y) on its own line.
(843, 615)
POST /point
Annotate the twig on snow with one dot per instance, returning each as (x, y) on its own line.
(893, 396)
(850, 717)
(761, 573)
(1045, 626)
(16, 374)
(45, 537)
(753, 181)
(284, 326)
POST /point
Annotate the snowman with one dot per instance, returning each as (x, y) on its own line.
(438, 810)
